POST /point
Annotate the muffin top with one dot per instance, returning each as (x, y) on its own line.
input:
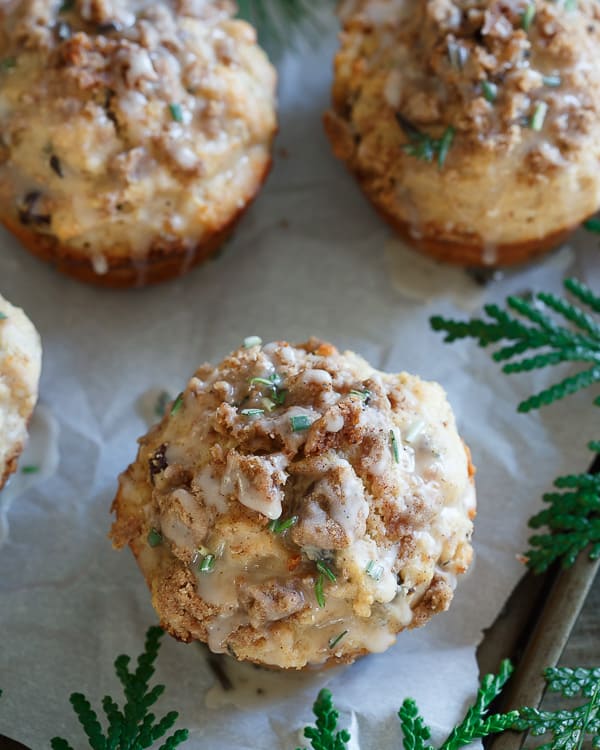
(473, 125)
(499, 74)
(20, 365)
(124, 121)
(292, 494)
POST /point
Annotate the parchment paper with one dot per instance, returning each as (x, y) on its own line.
(310, 258)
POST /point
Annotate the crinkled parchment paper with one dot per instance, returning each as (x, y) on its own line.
(311, 258)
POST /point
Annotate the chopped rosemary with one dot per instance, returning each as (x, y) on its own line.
(423, 146)
(252, 412)
(3, 316)
(207, 564)
(251, 341)
(320, 596)
(277, 526)
(8, 63)
(414, 430)
(490, 91)
(539, 115)
(374, 571)
(176, 112)
(279, 395)
(326, 571)
(30, 469)
(333, 642)
(394, 444)
(552, 81)
(177, 404)
(457, 54)
(300, 422)
(446, 142)
(262, 381)
(154, 538)
(269, 404)
(365, 394)
(67, 6)
(528, 16)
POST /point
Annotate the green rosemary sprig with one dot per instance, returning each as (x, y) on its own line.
(554, 342)
(423, 146)
(134, 727)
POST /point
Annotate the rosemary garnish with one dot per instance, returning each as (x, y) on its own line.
(490, 91)
(423, 146)
(176, 112)
(394, 446)
(538, 117)
(374, 571)
(326, 571)
(457, 54)
(333, 642)
(365, 394)
(154, 538)
(319, 595)
(552, 81)
(277, 526)
(528, 16)
(252, 412)
(300, 422)
(177, 404)
(207, 564)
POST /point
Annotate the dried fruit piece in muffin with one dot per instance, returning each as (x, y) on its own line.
(297, 507)
(133, 135)
(472, 127)
(20, 365)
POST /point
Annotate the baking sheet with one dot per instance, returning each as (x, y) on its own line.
(311, 258)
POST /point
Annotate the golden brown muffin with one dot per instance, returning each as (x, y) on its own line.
(472, 125)
(133, 134)
(297, 507)
(20, 365)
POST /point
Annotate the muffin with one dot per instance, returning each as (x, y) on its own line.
(132, 135)
(20, 365)
(295, 507)
(473, 126)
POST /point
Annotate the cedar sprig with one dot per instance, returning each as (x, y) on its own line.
(568, 728)
(134, 727)
(478, 723)
(276, 20)
(576, 342)
(325, 735)
(572, 518)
